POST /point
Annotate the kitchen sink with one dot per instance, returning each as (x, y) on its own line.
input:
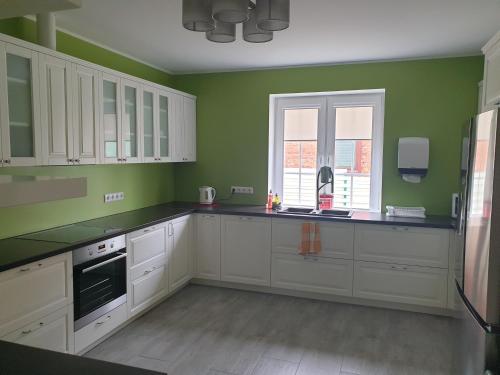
(336, 213)
(296, 210)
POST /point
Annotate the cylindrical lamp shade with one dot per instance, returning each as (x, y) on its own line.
(197, 15)
(273, 15)
(230, 11)
(223, 33)
(252, 34)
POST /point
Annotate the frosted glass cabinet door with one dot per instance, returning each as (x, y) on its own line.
(56, 111)
(20, 116)
(86, 115)
(150, 128)
(130, 122)
(165, 119)
(110, 119)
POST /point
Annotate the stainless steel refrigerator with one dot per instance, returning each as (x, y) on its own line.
(477, 258)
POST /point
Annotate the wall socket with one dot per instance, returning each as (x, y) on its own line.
(113, 197)
(241, 189)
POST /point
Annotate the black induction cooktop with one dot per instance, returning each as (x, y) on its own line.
(68, 234)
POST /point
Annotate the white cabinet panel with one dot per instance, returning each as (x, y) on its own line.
(337, 239)
(180, 261)
(246, 250)
(167, 111)
(492, 73)
(101, 327)
(56, 110)
(109, 92)
(148, 285)
(402, 284)
(189, 117)
(145, 244)
(149, 130)
(52, 332)
(207, 264)
(402, 245)
(86, 119)
(312, 274)
(34, 291)
(129, 148)
(19, 107)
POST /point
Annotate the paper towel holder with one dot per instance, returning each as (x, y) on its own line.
(413, 158)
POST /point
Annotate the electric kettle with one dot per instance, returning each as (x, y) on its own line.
(207, 194)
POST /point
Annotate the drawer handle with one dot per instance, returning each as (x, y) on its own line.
(146, 230)
(400, 229)
(24, 269)
(28, 331)
(103, 321)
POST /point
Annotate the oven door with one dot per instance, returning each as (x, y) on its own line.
(99, 286)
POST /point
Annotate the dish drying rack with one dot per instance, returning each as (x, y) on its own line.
(418, 212)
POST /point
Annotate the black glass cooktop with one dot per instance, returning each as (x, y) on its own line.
(68, 234)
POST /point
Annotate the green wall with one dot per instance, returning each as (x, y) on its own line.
(428, 98)
(143, 184)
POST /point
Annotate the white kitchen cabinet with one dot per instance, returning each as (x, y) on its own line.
(129, 147)
(246, 250)
(110, 118)
(20, 130)
(491, 82)
(86, 118)
(52, 332)
(207, 246)
(184, 128)
(147, 267)
(146, 244)
(336, 238)
(56, 108)
(150, 124)
(166, 119)
(149, 283)
(35, 290)
(312, 274)
(101, 327)
(180, 257)
(414, 285)
(402, 245)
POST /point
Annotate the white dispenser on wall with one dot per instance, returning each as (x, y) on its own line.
(413, 158)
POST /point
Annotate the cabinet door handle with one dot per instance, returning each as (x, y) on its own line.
(7, 161)
(170, 229)
(400, 228)
(24, 269)
(148, 272)
(28, 331)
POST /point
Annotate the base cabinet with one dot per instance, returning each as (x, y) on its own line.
(312, 274)
(52, 332)
(414, 285)
(91, 333)
(180, 264)
(207, 247)
(246, 250)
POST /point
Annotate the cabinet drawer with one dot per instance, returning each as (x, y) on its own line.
(34, 290)
(52, 332)
(101, 327)
(403, 284)
(147, 267)
(337, 239)
(402, 245)
(146, 290)
(144, 244)
(312, 274)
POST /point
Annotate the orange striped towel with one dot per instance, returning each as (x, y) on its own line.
(305, 243)
(316, 244)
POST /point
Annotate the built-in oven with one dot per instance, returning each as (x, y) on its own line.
(99, 279)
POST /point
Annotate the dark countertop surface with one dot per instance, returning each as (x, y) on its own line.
(18, 359)
(21, 250)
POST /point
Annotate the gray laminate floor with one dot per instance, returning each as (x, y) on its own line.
(214, 331)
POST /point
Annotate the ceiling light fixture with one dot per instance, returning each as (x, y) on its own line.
(218, 18)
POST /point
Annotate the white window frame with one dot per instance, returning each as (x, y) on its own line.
(326, 102)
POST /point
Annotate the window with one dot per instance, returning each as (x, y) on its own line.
(342, 130)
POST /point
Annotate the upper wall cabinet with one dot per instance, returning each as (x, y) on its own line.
(56, 110)
(491, 83)
(185, 129)
(20, 133)
(59, 110)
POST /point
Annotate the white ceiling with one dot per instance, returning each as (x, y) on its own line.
(321, 32)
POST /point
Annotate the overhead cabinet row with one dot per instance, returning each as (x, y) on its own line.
(55, 111)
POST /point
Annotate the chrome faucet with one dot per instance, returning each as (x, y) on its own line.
(325, 173)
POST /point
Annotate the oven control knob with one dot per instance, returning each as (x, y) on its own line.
(112, 245)
(91, 253)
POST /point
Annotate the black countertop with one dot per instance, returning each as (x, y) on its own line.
(18, 359)
(21, 250)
